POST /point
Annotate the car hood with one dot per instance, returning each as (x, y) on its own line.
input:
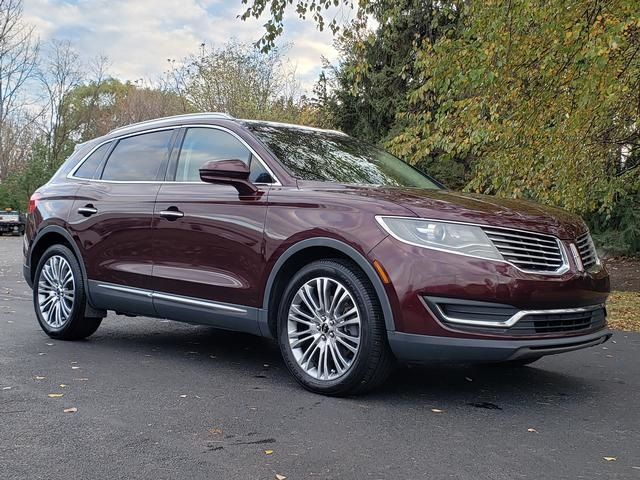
(478, 209)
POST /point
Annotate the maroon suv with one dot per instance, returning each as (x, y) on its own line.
(349, 257)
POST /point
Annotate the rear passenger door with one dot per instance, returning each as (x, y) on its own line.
(112, 215)
(208, 239)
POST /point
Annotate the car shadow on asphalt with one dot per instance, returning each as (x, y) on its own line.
(491, 387)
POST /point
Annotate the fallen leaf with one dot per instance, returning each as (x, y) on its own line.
(183, 396)
(280, 477)
(40, 378)
(268, 452)
(56, 395)
(49, 344)
(41, 353)
(62, 385)
(70, 410)
(532, 430)
(610, 459)
(468, 379)
(6, 388)
(75, 368)
(437, 410)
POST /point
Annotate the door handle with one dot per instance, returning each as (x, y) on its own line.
(87, 210)
(172, 213)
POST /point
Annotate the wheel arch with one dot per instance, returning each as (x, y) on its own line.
(303, 253)
(54, 235)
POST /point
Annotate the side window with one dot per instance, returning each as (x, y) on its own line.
(202, 145)
(139, 158)
(91, 163)
(258, 173)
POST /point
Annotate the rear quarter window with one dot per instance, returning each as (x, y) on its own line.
(88, 168)
(139, 158)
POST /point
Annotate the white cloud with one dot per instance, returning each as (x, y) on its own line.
(139, 36)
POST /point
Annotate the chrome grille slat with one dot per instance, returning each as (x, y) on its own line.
(553, 257)
(587, 250)
(520, 236)
(527, 250)
(512, 244)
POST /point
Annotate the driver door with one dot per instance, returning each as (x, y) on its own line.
(208, 239)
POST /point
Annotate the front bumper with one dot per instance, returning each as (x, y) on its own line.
(417, 274)
(11, 227)
(412, 348)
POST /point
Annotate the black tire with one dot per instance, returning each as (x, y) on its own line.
(76, 326)
(373, 362)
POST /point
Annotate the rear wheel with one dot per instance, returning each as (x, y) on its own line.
(331, 330)
(59, 297)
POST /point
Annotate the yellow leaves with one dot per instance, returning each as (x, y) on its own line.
(623, 308)
(268, 452)
(610, 459)
(55, 395)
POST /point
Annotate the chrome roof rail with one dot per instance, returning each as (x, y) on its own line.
(186, 116)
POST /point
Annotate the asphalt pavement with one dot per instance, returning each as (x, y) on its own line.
(156, 399)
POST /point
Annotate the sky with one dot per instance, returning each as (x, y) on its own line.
(138, 36)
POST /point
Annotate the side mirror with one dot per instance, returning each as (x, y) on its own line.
(228, 172)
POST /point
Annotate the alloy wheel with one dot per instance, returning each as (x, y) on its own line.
(56, 291)
(324, 328)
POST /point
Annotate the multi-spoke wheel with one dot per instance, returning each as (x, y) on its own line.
(331, 331)
(56, 291)
(59, 297)
(324, 328)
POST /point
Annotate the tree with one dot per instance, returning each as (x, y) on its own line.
(540, 97)
(60, 73)
(238, 80)
(18, 55)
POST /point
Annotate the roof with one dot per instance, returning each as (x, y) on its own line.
(193, 117)
(186, 116)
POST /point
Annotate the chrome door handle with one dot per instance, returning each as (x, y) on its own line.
(171, 214)
(87, 211)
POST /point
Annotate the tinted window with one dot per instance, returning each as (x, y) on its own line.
(202, 145)
(90, 165)
(259, 174)
(323, 155)
(138, 158)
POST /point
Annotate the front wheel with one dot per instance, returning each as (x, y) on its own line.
(331, 330)
(59, 297)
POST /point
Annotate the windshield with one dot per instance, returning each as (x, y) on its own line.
(322, 155)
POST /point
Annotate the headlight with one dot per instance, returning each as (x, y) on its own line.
(450, 237)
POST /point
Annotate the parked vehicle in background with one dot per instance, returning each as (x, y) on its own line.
(346, 255)
(11, 221)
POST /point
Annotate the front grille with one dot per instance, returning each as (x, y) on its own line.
(560, 322)
(526, 250)
(475, 311)
(587, 251)
(483, 317)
